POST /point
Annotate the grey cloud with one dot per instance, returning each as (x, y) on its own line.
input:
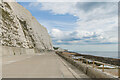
(89, 6)
(87, 39)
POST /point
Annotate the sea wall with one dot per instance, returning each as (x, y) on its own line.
(7, 51)
(91, 72)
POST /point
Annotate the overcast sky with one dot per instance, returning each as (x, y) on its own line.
(79, 26)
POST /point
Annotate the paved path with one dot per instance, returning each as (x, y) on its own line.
(44, 65)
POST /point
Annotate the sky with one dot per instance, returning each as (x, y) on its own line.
(78, 26)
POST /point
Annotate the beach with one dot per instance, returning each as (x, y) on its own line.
(108, 60)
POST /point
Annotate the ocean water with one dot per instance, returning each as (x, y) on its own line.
(111, 54)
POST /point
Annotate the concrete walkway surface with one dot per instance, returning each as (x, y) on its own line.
(42, 65)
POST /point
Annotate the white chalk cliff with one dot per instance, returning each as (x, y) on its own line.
(18, 28)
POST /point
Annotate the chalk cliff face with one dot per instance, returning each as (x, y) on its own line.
(20, 29)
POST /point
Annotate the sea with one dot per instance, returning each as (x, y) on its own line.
(110, 54)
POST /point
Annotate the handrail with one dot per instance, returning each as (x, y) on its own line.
(93, 63)
(86, 61)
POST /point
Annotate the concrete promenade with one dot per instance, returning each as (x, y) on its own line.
(44, 65)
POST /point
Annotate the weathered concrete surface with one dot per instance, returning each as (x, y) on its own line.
(44, 65)
(7, 51)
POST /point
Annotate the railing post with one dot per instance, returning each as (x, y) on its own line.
(118, 71)
(103, 68)
(93, 64)
(86, 62)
